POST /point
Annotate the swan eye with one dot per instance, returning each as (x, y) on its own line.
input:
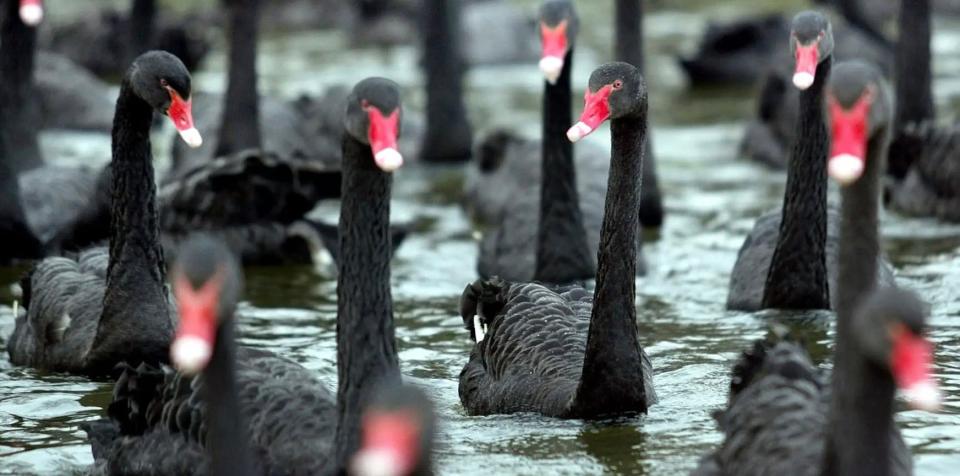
(364, 104)
(164, 83)
(617, 84)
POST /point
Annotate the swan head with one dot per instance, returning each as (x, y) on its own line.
(615, 90)
(206, 285)
(859, 110)
(398, 429)
(31, 12)
(161, 79)
(890, 326)
(811, 41)
(373, 117)
(558, 30)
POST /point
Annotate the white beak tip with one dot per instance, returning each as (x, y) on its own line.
(388, 159)
(551, 67)
(374, 463)
(192, 137)
(190, 354)
(845, 168)
(578, 131)
(31, 14)
(803, 80)
(924, 396)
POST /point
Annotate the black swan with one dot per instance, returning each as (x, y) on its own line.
(507, 164)
(272, 412)
(564, 352)
(783, 417)
(105, 41)
(778, 419)
(789, 259)
(88, 314)
(628, 44)
(769, 135)
(448, 136)
(548, 233)
(923, 155)
(253, 200)
(742, 51)
(51, 196)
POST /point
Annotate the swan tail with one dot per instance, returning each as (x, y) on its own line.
(480, 303)
(782, 356)
(136, 394)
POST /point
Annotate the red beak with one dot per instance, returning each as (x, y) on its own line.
(596, 109)
(193, 344)
(390, 446)
(382, 135)
(911, 364)
(553, 42)
(848, 151)
(806, 68)
(31, 12)
(181, 114)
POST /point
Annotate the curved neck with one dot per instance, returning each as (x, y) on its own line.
(860, 391)
(913, 75)
(366, 349)
(18, 110)
(143, 14)
(612, 371)
(797, 277)
(240, 126)
(563, 256)
(227, 441)
(629, 32)
(136, 266)
(448, 135)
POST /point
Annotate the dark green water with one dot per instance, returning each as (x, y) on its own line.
(712, 199)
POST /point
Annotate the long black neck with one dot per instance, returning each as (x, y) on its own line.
(19, 240)
(135, 301)
(913, 78)
(240, 127)
(366, 349)
(629, 32)
(19, 119)
(563, 256)
(612, 376)
(143, 15)
(227, 442)
(797, 278)
(448, 137)
(860, 392)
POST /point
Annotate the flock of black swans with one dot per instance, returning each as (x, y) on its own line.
(138, 279)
